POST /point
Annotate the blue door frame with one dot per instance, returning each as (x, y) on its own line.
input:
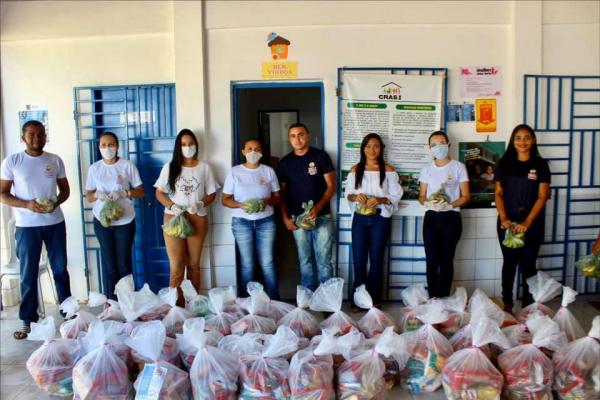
(143, 117)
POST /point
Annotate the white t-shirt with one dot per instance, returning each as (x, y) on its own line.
(34, 178)
(110, 177)
(248, 184)
(192, 184)
(452, 173)
(369, 186)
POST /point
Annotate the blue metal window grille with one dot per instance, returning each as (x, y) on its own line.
(143, 117)
(565, 113)
(405, 252)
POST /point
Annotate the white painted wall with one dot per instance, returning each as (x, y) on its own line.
(204, 47)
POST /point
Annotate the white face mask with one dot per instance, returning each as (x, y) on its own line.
(188, 151)
(108, 153)
(253, 157)
(440, 151)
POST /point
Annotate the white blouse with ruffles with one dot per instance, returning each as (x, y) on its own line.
(390, 188)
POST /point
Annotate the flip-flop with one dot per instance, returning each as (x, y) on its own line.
(22, 333)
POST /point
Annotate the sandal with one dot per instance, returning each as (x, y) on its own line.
(22, 332)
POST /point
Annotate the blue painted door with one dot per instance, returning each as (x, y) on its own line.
(144, 119)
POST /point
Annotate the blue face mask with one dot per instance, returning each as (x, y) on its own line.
(440, 151)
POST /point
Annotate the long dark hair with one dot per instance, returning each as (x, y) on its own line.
(360, 167)
(177, 160)
(510, 155)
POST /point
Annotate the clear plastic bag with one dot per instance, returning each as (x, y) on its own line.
(213, 373)
(197, 304)
(77, 320)
(142, 304)
(311, 371)
(253, 322)
(101, 374)
(328, 298)
(303, 220)
(51, 365)
(362, 376)
(589, 266)
(186, 343)
(513, 240)
(577, 367)
(176, 316)
(300, 320)
(468, 373)
(375, 321)
(264, 376)
(565, 319)
(263, 305)
(429, 349)
(178, 227)
(110, 308)
(148, 342)
(110, 211)
(412, 296)
(113, 334)
(239, 345)
(543, 288)
(527, 370)
(480, 306)
(457, 315)
(220, 320)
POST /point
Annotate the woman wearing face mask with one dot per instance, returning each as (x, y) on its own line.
(373, 190)
(116, 179)
(186, 185)
(522, 189)
(251, 189)
(444, 188)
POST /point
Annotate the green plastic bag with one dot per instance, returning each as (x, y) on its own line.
(178, 227)
(253, 206)
(514, 240)
(303, 221)
(111, 211)
(589, 266)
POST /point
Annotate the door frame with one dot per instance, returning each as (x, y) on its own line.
(240, 85)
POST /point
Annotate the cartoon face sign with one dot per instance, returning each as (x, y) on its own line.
(187, 185)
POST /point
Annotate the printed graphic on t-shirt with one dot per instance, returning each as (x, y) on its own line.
(263, 181)
(187, 185)
(312, 168)
(120, 179)
(49, 171)
(532, 175)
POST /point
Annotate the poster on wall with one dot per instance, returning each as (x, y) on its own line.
(37, 114)
(480, 81)
(460, 112)
(481, 159)
(403, 110)
(485, 115)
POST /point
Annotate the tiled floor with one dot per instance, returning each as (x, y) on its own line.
(16, 383)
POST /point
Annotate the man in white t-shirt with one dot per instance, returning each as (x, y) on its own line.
(28, 183)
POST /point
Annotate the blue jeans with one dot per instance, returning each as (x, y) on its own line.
(319, 240)
(257, 238)
(29, 250)
(116, 243)
(370, 235)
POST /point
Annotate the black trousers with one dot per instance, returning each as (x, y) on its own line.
(441, 232)
(524, 257)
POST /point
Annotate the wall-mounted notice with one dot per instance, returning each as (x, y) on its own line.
(460, 112)
(280, 67)
(485, 115)
(404, 110)
(483, 81)
(34, 113)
